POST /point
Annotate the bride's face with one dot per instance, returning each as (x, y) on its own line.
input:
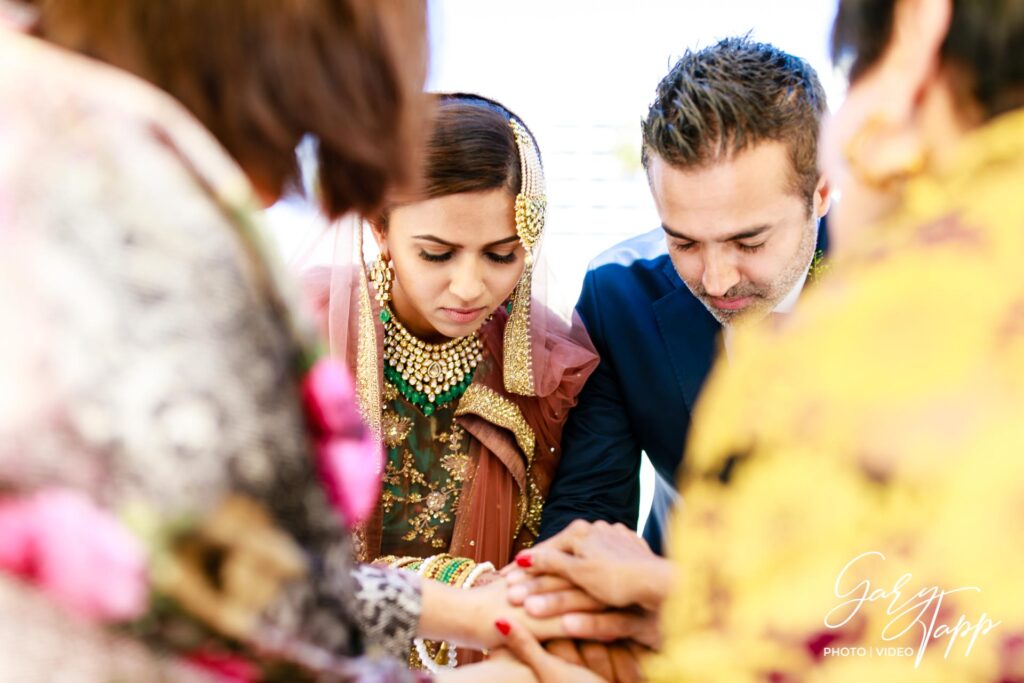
(456, 259)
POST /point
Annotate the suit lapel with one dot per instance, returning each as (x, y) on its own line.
(689, 333)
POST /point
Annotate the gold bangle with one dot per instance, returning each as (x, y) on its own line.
(403, 562)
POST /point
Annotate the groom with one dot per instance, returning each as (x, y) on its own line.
(730, 150)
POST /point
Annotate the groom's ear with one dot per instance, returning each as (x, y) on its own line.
(822, 198)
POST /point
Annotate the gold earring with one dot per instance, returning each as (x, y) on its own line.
(381, 275)
(882, 156)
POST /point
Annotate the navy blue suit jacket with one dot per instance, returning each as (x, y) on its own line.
(657, 343)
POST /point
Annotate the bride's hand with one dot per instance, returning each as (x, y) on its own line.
(466, 617)
(545, 666)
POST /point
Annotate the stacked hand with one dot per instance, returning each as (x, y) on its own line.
(591, 594)
(605, 585)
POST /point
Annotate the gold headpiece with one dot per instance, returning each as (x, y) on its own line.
(531, 205)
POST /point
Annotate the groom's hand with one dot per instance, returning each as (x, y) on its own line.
(610, 562)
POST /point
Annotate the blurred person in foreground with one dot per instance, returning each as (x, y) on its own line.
(179, 464)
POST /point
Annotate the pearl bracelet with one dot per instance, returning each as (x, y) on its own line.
(475, 574)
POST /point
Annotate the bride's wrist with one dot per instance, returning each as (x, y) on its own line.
(461, 616)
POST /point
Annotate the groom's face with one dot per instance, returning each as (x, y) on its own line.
(739, 235)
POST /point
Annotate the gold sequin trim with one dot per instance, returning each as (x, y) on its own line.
(518, 352)
(479, 400)
(367, 362)
(534, 509)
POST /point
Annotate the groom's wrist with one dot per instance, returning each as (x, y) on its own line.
(653, 578)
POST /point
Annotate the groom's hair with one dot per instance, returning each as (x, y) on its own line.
(723, 99)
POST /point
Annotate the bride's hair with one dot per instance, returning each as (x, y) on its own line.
(471, 147)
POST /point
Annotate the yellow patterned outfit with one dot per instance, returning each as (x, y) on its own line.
(880, 432)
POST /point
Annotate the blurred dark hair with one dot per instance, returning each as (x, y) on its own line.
(722, 99)
(985, 38)
(262, 74)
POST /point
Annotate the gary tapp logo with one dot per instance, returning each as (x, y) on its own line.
(908, 610)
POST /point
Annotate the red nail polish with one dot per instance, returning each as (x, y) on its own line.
(524, 561)
(503, 626)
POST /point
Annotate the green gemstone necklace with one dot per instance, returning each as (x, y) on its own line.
(428, 375)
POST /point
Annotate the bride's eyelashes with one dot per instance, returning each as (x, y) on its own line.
(435, 258)
(503, 259)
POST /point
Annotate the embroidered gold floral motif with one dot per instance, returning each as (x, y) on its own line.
(457, 466)
(529, 508)
(390, 392)
(498, 410)
(436, 501)
(452, 439)
(426, 502)
(395, 428)
(456, 461)
(400, 478)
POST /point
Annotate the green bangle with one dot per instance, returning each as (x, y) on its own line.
(451, 569)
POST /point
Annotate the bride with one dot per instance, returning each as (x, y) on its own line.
(461, 370)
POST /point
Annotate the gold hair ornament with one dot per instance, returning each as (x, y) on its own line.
(531, 207)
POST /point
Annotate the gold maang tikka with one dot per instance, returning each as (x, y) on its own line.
(530, 206)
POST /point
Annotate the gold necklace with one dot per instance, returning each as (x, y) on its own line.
(428, 375)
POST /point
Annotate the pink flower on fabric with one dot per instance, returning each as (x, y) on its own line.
(330, 397)
(349, 459)
(77, 553)
(351, 472)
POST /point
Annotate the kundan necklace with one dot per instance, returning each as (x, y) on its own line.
(428, 375)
